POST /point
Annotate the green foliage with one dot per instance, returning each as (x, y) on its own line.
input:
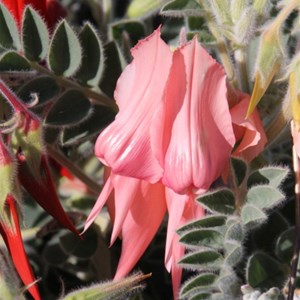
(217, 243)
(181, 8)
(12, 61)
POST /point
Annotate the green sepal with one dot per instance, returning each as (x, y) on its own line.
(70, 108)
(181, 8)
(201, 283)
(12, 61)
(263, 271)
(221, 201)
(99, 118)
(203, 238)
(206, 222)
(264, 197)
(239, 170)
(9, 34)
(44, 87)
(210, 260)
(35, 36)
(252, 216)
(273, 176)
(65, 51)
(91, 69)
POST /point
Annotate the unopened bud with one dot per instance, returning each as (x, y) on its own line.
(138, 8)
(221, 10)
(261, 6)
(237, 7)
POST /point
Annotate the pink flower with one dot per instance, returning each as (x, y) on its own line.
(137, 209)
(173, 113)
(248, 132)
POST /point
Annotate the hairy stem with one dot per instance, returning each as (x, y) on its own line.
(242, 72)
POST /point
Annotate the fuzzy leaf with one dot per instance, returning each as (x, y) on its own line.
(284, 245)
(100, 117)
(92, 66)
(9, 35)
(206, 222)
(210, 260)
(134, 29)
(234, 232)
(264, 272)
(45, 88)
(65, 51)
(201, 282)
(113, 68)
(81, 248)
(201, 296)
(239, 170)
(264, 197)
(221, 201)
(71, 108)
(273, 176)
(203, 237)
(234, 253)
(181, 8)
(252, 216)
(35, 36)
(12, 61)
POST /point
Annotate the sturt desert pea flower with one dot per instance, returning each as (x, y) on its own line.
(33, 170)
(51, 10)
(249, 133)
(9, 219)
(170, 133)
(137, 209)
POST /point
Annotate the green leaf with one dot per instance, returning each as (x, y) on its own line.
(45, 87)
(53, 253)
(81, 248)
(134, 29)
(181, 8)
(252, 216)
(209, 260)
(113, 68)
(65, 51)
(239, 170)
(92, 66)
(263, 271)
(234, 253)
(234, 232)
(273, 176)
(35, 36)
(203, 237)
(220, 201)
(201, 296)
(264, 197)
(71, 108)
(12, 61)
(9, 35)
(99, 118)
(206, 222)
(200, 282)
(284, 245)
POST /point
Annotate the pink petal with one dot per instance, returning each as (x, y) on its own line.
(141, 224)
(197, 134)
(249, 131)
(125, 144)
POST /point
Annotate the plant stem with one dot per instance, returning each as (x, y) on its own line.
(65, 82)
(93, 186)
(241, 64)
(296, 164)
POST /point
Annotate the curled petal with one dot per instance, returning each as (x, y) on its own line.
(196, 118)
(125, 144)
(249, 132)
(141, 224)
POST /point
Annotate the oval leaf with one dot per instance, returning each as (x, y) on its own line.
(221, 201)
(35, 35)
(65, 51)
(72, 107)
(44, 87)
(12, 61)
(100, 117)
(239, 170)
(9, 35)
(284, 245)
(181, 8)
(252, 216)
(92, 65)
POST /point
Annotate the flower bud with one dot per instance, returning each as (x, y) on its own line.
(221, 11)
(261, 6)
(237, 7)
(138, 8)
